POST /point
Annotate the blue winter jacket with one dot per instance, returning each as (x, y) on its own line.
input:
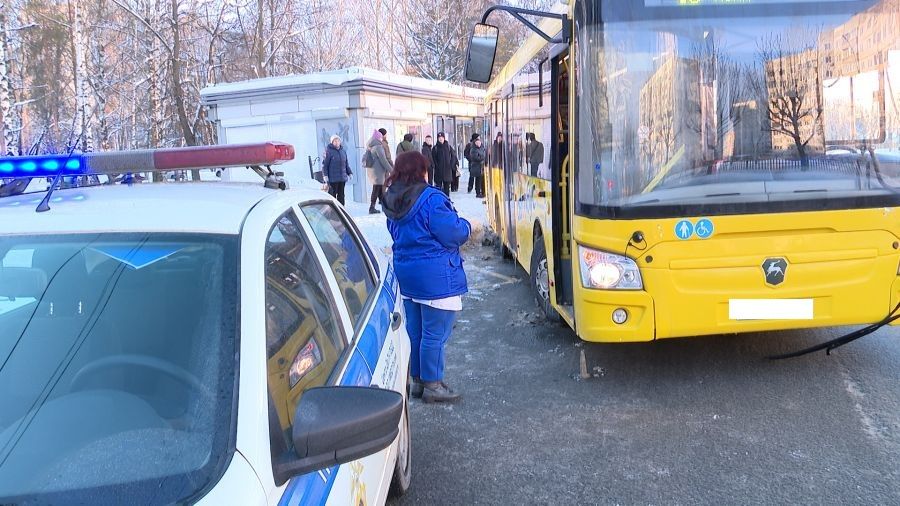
(427, 235)
(336, 167)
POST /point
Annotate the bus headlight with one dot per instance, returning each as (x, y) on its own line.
(608, 271)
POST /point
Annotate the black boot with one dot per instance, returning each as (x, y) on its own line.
(438, 391)
(416, 388)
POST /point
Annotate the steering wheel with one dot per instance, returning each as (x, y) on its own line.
(141, 361)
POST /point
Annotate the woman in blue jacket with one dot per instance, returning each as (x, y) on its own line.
(427, 235)
(336, 168)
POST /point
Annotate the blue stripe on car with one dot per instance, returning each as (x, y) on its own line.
(312, 488)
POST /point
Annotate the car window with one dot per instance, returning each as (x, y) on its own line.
(304, 340)
(345, 256)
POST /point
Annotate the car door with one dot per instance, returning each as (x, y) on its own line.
(380, 344)
(307, 342)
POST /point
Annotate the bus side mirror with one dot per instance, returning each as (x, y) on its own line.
(482, 51)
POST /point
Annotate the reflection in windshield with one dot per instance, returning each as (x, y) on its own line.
(737, 103)
(116, 366)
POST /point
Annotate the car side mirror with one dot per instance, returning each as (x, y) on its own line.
(336, 425)
(482, 51)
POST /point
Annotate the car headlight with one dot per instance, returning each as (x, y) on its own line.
(608, 271)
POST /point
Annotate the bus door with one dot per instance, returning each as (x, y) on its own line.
(561, 179)
(510, 159)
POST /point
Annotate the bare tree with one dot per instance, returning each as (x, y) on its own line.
(787, 79)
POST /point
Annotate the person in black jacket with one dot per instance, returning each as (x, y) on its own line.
(336, 168)
(426, 152)
(477, 159)
(467, 155)
(497, 152)
(445, 164)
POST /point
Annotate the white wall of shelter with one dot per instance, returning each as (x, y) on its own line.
(306, 110)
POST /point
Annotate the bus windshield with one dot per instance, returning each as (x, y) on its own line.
(728, 106)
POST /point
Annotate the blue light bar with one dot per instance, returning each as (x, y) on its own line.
(42, 166)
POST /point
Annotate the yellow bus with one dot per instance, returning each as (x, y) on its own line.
(675, 168)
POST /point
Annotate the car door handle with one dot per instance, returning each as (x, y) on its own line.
(396, 321)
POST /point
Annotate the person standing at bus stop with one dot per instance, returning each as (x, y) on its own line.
(406, 145)
(378, 167)
(426, 152)
(427, 234)
(336, 168)
(445, 164)
(387, 145)
(477, 159)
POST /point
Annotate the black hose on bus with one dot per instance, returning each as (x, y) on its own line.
(840, 341)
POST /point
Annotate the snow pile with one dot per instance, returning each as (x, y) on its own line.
(374, 226)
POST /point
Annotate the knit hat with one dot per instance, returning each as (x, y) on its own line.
(377, 134)
(474, 136)
(333, 138)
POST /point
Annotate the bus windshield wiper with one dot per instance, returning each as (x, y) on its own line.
(840, 341)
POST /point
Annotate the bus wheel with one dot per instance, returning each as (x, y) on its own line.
(540, 281)
(504, 251)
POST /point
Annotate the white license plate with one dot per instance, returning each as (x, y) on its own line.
(770, 309)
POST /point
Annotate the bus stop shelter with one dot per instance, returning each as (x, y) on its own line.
(306, 110)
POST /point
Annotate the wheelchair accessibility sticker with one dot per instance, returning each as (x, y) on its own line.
(703, 229)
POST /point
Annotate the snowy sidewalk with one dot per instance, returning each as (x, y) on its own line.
(374, 226)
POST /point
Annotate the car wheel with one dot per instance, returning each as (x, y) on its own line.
(403, 466)
(540, 280)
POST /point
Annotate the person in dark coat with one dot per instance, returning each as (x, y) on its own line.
(427, 234)
(534, 153)
(336, 168)
(445, 164)
(477, 159)
(467, 154)
(426, 152)
(497, 152)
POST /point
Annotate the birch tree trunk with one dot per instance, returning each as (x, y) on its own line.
(83, 134)
(7, 112)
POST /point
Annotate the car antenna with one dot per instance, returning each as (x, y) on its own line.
(44, 206)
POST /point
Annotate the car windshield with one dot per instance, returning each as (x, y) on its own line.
(117, 366)
(725, 105)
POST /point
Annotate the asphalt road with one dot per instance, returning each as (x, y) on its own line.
(689, 421)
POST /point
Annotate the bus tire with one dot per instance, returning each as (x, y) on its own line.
(540, 281)
(403, 465)
(504, 251)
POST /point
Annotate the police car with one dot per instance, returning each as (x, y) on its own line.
(211, 343)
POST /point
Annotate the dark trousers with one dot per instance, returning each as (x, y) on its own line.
(428, 329)
(471, 182)
(455, 186)
(336, 190)
(377, 194)
(444, 186)
(479, 186)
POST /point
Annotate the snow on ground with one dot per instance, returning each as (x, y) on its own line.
(374, 227)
